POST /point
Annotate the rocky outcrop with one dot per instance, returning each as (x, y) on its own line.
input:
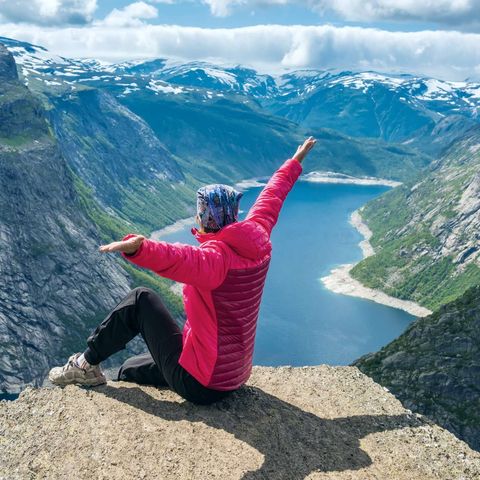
(16, 104)
(8, 68)
(426, 232)
(287, 423)
(434, 367)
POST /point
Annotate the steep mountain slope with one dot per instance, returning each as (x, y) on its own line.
(228, 139)
(434, 367)
(52, 281)
(116, 153)
(54, 285)
(426, 232)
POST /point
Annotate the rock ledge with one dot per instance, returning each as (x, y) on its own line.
(288, 423)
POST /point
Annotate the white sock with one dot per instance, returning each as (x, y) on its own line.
(81, 362)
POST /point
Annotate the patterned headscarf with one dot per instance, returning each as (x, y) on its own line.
(217, 206)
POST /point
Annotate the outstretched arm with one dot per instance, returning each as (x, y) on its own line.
(269, 203)
(204, 267)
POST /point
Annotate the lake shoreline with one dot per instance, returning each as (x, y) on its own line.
(340, 280)
(256, 182)
(341, 178)
(172, 228)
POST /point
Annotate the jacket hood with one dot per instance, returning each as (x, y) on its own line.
(246, 238)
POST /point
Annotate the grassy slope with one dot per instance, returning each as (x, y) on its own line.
(113, 228)
(409, 262)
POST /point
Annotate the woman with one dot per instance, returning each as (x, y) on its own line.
(224, 279)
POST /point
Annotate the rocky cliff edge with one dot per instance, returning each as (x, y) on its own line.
(287, 423)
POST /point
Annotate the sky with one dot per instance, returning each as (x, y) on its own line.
(438, 38)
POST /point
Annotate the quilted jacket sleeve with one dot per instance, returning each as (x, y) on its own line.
(269, 203)
(204, 267)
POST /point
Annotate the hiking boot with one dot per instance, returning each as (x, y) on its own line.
(90, 376)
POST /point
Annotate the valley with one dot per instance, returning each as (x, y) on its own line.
(90, 151)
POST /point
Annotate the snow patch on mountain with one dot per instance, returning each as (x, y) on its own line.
(162, 87)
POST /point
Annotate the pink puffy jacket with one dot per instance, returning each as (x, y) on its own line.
(224, 279)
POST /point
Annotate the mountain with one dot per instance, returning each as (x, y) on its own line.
(425, 113)
(397, 108)
(211, 119)
(434, 367)
(226, 139)
(285, 424)
(54, 285)
(426, 232)
(114, 152)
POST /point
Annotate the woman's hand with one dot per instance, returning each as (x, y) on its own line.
(129, 246)
(302, 150)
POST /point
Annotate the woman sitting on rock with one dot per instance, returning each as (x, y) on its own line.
(224, 279)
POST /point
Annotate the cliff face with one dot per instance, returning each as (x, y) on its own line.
(434, 367)
(15, 105)
(55, 287)
(53, 284)
(288, 423)
(8, 68)
(117, 154)
(426, 232)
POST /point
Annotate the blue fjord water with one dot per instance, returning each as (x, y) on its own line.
(301, 322)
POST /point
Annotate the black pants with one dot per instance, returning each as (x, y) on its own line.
(142, 312)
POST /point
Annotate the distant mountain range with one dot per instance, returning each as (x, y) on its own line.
(422, 112)
(216, 121)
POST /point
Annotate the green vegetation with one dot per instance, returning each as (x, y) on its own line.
(157, 204)
(429, 282)
(433, 366)
(417, 253)
(144, 208)
(228, 140)
(111, 228)
(15, 141)
(21, 115)
(162, 286)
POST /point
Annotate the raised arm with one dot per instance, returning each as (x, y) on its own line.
(204, 267)
(267, 207)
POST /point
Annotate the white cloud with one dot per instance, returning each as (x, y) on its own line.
(448, 12)
(223, 8)
(131, 15)
(444, 54)
(48, 12)
(441, 11)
